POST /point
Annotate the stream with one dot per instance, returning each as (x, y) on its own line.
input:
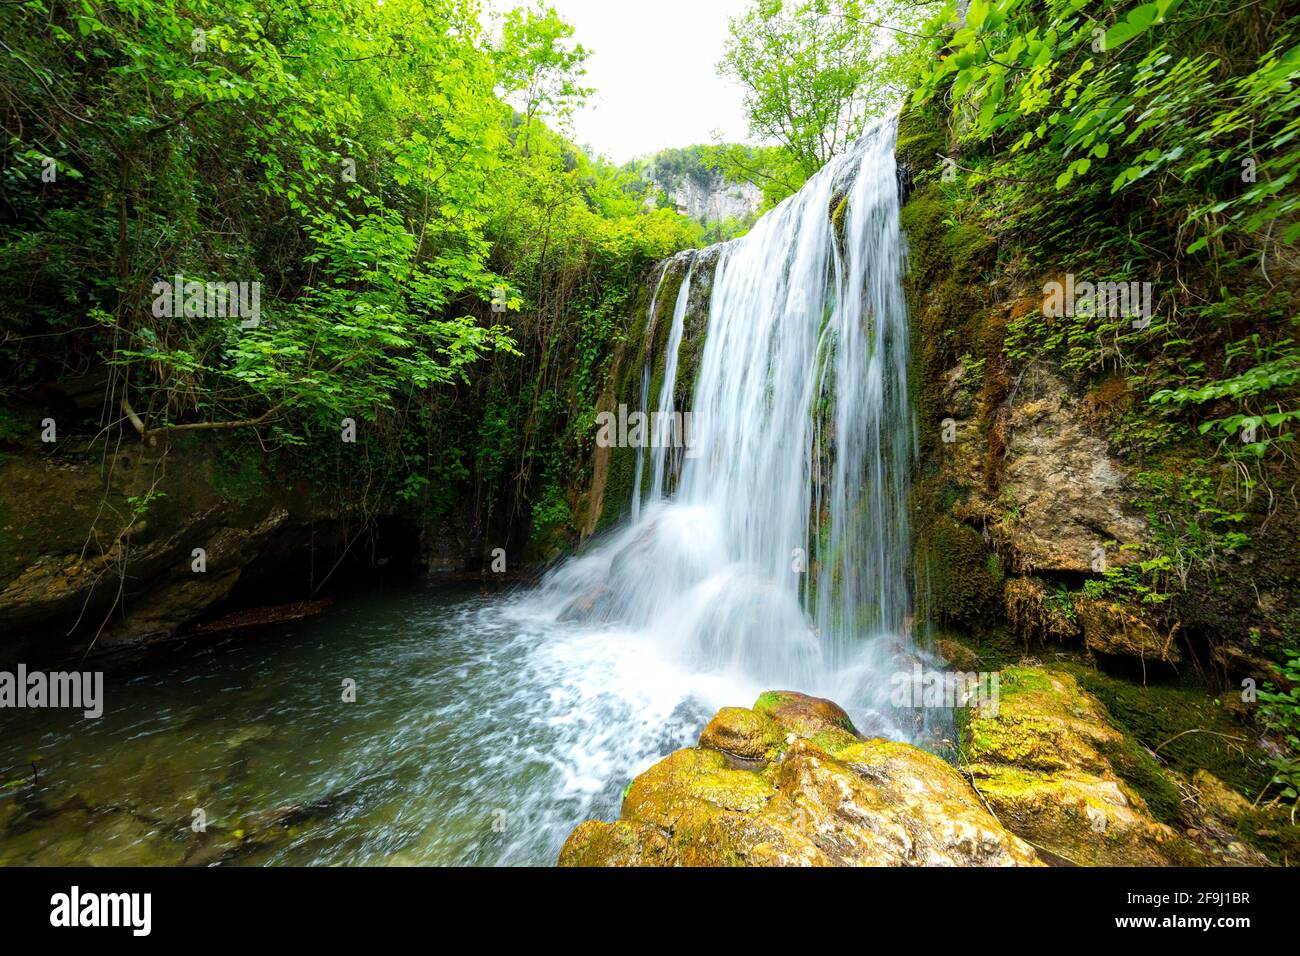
(482, 733)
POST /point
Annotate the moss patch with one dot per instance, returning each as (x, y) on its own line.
(921, 138)
(1155, 716)
(965, 581)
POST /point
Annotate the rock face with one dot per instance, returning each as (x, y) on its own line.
(1068, 492)
(1110, 628)
(713, 199)
(1046, 765)
(790, 783)
(1056, 494)
(106, 556)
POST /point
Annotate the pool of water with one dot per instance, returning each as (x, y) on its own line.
(481, 733)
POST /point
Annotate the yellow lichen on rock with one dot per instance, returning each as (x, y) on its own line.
(814, 794)
(743, 733)
(1043, 765)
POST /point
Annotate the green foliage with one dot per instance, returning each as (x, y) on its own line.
(773, 169)
(1139, 142)
(435, 261)
(1118, 94)
(1276, 374)
(1281, 710)
(371, 272)
(814, 71)
(140, 504)
(539, 66)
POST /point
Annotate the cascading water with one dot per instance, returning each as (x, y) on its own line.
(662, 443)
(781, 559)
(770, 554)
(645, 391)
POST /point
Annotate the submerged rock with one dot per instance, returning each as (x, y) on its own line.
(814, 794)
(591, 605)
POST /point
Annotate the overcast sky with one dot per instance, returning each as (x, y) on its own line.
(653, 68)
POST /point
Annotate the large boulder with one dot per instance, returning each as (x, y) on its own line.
(790, 783)
(1046, 764)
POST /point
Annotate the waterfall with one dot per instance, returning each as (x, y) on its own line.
(781, 557)
(663, 448)
(645, 385)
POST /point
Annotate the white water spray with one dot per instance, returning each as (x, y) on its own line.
(780, 561)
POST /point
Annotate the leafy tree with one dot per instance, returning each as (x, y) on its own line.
(814, 71)
(540, 67)
(432, 257)
(362, 133)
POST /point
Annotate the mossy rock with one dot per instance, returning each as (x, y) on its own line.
(1056, 770)
(747, 734)
(839, 219)
(621, 843)
(1112, 628)
(922, 138)
(873, 803)
(805, 716)
(964, 578)
(1190, 729)
(924, 219)
(971, 252)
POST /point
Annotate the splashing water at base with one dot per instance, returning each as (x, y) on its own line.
(485, 729)
(780, 559)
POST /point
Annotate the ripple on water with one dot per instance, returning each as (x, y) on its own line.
(482, 733)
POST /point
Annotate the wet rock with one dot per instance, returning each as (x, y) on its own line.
(75, 834)
(621, 843)
(249, 734)
(592, 606)
(1218, 799)
(1044, 763)
(83, 561)
(811, 718)
(827, 798)
(181, 596)
(891, 804)
(1110, 628)
(744, 733)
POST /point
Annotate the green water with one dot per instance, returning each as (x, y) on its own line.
(482, 733)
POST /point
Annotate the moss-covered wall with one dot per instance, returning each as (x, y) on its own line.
(615, 468)
(973, 286)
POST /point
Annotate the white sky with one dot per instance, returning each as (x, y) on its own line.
(653, 68)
